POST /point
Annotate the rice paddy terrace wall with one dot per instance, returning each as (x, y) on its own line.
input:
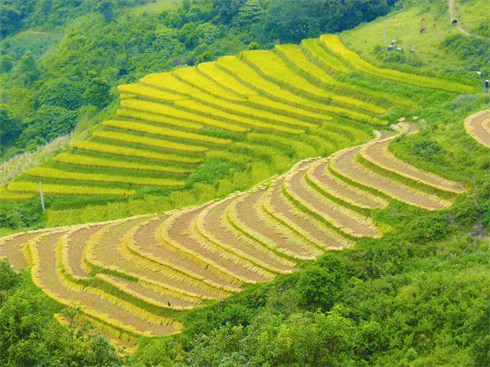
(136, 276)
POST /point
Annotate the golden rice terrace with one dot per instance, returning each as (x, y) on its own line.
(136, 276)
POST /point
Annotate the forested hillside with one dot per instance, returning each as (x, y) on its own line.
(242, 186)
(47, 90)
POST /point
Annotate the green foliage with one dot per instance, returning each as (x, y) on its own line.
(53, 121)
(10, 19)
(474, 50)
(106, 8)
(30, 335)
(290, 21)
(477, 334)
(9, 125)
(320, 284)
(430, 227)
(188, 34)
(164, 352)
(28, 69)
(9, 280)
(249, 13)
(466, 213)
(98, 93)
(309, 339)
(209, 172)
(6, 63)
(253, 46)
(60, 92)
(20, 215)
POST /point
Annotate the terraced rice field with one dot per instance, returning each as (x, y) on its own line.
(478, 126)
(136, 276)
(169, 123)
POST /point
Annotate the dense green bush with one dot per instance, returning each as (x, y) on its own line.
(31, 336)
(466, 212)
(429, 227)
(98, 93)
(60, 92)
(53, 121)
(320, 283)
(208, 172)
(9, 125)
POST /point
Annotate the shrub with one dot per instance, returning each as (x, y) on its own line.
(432, 227)
(321, 283)
(209, 172)
(54, 121)
(253, 46)
(60, 92)
(98, 93)
(466, 213)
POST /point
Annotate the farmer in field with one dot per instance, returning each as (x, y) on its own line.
(486, 85)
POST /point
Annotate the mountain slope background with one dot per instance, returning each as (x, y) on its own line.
(416, 297)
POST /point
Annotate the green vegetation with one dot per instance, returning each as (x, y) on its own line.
(415, 296)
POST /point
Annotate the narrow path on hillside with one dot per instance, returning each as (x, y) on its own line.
(451, 14)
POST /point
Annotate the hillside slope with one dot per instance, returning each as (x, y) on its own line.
(165, 264)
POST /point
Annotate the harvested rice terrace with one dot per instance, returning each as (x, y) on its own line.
(138, 275)
(478, 126)
(281, 108)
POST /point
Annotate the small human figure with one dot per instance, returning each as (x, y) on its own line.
(168, 303)
(486, 85)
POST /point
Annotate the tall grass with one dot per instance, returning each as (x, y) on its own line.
(24, 162)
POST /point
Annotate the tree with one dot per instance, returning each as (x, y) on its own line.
(9, 280)
(304, 339)
(188, 35)
(478, 334)
(320, 283)
(227, 9)
(6, 63)
(28, 69)
(60, 92)
(106, 8)
(249, 13)
(9, 125)
(54, 121)
(10, 20)
(98, 93)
